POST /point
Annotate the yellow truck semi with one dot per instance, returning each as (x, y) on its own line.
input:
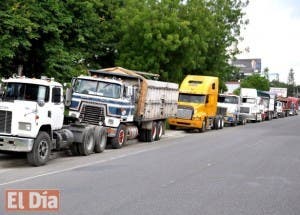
(197, 104)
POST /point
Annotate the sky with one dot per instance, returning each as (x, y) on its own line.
(273, 34)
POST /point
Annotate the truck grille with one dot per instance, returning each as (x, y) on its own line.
(92, 114)
(184, 112)
(245, 110)
(5, 121)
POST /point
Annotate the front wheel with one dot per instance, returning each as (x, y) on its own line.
(120, 139)
(40, 152)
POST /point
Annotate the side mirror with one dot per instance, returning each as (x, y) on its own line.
(68, 98)
(41, 103)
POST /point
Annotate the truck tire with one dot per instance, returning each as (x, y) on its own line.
(142, 135)
(88, 143)
(203, 128)
(151, 134)
(100, 139)
(120, 139)
(221, 123)
(159, 130)
(40, 152)
(216, 123)
(75, 149)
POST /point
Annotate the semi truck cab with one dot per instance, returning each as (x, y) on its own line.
(27, 107)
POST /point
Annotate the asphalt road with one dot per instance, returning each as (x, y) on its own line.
(252, 169)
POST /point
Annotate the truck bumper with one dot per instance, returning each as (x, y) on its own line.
(250, 117)
(185, 123)
(16, 144)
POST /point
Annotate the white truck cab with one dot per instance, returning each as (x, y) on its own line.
(29, 107)
(232, 103)
(251, 105)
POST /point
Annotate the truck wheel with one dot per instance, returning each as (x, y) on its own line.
(142, 135)
(221, 123)
(151, 134)
(74, 149)
(100, 139)
(203, 128)
(88, 143)
(216, 123)
(40, 152)
(120, 139)
(159, 130)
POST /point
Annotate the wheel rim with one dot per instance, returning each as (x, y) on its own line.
(121, 137)
(154, 132)
(219, 123)
(90, 143)
(43, 149)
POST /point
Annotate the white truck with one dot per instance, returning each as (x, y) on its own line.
(251, 105)
(125, 102)
(32, 121)
(232, 103)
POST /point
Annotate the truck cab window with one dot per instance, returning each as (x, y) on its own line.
(26, 92)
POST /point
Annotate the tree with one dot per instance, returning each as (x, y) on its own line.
(175, 38)
(54, 38)
(257, 82)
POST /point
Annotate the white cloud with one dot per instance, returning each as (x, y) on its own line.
(274, 36)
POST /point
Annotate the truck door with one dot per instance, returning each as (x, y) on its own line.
(56, 113)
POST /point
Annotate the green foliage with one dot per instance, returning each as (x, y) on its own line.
(237, 91)
(175, 39)
(171, 37)
(257, 82)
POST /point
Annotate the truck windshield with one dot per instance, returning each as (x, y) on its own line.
(191, 98)
(26, 92)
(249, 100)
(91, 87)
(228, 99)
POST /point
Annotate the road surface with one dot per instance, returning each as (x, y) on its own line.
(252, 169)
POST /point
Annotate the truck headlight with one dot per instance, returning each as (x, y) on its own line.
(25, 126)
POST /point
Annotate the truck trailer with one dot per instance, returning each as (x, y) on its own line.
(197, 105)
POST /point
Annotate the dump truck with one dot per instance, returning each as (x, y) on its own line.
(251, 106)
(32, 121)
(232, 103)
(128, 103)
(197, 105)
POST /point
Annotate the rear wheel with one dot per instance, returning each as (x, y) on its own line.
(88, 143)
(120, 139)
(221, 123)
(151, 134)
(40, 152)
(159, 130)
(100, 139)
